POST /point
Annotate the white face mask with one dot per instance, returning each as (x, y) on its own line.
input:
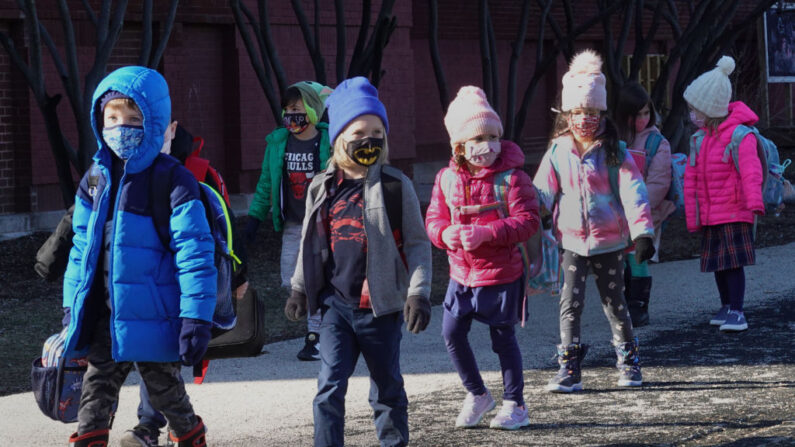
(697, 118)
(481, 154)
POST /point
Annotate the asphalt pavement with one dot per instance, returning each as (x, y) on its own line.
(701, 387)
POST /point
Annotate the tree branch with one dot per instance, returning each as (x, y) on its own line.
(485, 61)
(516, 52)
(314, 52)
(146, 34)
(272, 54)
(257, 65)
(339, 11)
(436, 60)
(354, 66)
(165, 35)
(92, 16)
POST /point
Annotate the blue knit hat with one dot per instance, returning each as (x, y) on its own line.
(351, 99)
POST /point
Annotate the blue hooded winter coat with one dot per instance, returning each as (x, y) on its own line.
(151, 287)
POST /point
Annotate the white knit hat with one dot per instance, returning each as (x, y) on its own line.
(584, 83)
(711, 92)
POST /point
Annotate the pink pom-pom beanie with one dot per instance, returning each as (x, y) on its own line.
(470, 115)
(584, 83)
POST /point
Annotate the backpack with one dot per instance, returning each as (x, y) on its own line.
(772, 167)
(200, 168)
(57, 381)
(678, 163)
(220, 220)
(531, 249)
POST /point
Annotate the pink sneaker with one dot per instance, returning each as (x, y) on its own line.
(510, 417)
(473, 410)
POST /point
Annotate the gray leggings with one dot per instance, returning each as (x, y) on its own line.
(609, 271)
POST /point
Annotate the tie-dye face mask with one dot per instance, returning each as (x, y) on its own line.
(295, 122)
(584, 125)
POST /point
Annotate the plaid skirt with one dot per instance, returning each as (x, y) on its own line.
(727, 246)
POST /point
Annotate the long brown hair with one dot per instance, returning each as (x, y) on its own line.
(631, 99)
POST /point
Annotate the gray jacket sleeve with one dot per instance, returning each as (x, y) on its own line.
(416, 245)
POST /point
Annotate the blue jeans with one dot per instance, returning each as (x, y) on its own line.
(344, 334)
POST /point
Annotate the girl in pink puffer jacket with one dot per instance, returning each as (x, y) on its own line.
(635, 118)
(480, 235)
(594, 219)
(720, 200)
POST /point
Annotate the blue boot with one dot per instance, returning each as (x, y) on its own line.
(628, 364)
(568, 378)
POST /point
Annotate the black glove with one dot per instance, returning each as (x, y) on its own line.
(250, 233)
(295, 309)
(193, 339)
(644, 249)
(417, 312)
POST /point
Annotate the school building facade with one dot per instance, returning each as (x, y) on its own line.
(216, 95)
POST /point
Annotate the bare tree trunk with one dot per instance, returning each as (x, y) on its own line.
(433, 42)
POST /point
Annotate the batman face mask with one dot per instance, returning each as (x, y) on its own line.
(365, 152)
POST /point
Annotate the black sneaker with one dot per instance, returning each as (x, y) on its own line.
(141, 436)
(309, 351)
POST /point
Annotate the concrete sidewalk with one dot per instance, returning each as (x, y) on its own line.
(701, 387)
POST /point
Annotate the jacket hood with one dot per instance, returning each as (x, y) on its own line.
(149, 90)
(739, 113)
(511, 157)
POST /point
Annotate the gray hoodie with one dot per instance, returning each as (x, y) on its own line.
(389, 279)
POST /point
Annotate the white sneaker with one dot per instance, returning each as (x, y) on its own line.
(510, 417)
(474, 408)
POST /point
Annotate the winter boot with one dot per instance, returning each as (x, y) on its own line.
(568, 378)
(193, 438)
(96, 438)
(638, 300)
(628, 364)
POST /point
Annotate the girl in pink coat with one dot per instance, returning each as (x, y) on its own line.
(480, 233)
(720, 200)
(595, 216)
(635, 118)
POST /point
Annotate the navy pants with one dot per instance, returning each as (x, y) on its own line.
(345, 333)
(731, 286)
(499, 307)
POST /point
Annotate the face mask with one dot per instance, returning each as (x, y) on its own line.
(481, 154)
(295, 122)
(365, 152)
(584, 125)
(696, 119)
(640, 124)
(123, 140)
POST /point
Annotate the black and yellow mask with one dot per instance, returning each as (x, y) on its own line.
(365, 152)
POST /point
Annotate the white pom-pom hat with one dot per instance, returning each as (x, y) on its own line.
(584, 83)
(711, 92)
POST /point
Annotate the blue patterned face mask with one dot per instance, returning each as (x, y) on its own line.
(123, 140)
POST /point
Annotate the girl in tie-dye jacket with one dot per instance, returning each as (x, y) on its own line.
(595, 221)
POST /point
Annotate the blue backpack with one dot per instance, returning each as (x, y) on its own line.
(220, 219)
(772, 168)
(676, 192)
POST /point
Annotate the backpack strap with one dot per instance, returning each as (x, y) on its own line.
(393, 200)
(160, 197)
(211, 197)
(612, 171)
(652, 145)
(695, 145)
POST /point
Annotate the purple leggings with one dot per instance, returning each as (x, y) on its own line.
(731, 286)
(503, 343)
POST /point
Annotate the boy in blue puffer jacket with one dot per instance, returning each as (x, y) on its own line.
(131, 299)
